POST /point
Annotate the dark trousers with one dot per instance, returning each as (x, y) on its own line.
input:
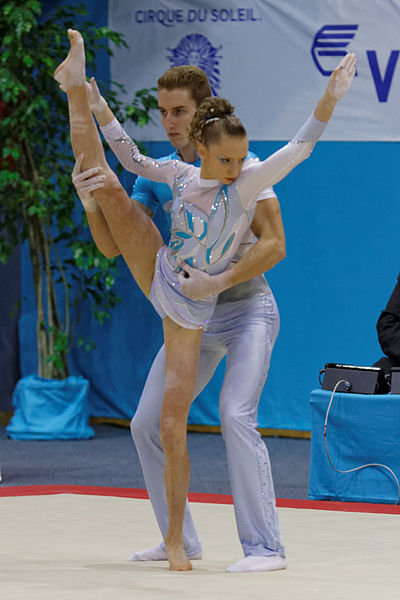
(386, 364)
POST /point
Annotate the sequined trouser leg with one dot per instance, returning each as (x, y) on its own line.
(248, 357)
(246, 332)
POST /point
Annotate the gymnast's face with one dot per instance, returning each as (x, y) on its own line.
(177, 108)
(223, 160)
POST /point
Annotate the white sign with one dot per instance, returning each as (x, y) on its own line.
(270, 58)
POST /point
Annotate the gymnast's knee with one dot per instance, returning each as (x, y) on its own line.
(144, 427)
(173, 436)
(236, 423)
(230, 423)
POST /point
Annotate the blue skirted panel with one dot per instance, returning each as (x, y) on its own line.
(361, 429)
(46, 409)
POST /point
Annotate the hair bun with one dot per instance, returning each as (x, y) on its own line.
(212, 110)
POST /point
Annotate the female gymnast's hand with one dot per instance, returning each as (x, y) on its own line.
(196, 284)
(86, 182)
(96, 101)
(341, 78)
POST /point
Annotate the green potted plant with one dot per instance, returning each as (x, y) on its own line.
(39, 207)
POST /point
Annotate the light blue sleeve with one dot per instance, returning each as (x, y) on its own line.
(267, 192)
(134, 161)
(255, 176)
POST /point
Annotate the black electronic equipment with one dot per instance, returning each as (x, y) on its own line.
(356, 379)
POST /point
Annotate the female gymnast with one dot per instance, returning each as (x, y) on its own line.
(212, 206)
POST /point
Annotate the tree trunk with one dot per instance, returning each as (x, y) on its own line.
(47, 328)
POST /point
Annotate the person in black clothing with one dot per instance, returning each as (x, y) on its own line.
(388, 328)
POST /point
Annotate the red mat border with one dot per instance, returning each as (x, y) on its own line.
(40, 490)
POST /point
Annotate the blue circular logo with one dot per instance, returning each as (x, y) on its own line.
(195, 49)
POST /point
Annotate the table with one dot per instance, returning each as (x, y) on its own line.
(361, 429)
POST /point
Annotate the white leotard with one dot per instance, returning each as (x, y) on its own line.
(209, 219)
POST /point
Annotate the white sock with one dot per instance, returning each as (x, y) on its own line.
(158, 553)
(272, 562)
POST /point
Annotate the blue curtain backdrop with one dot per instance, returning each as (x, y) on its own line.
(341, 213)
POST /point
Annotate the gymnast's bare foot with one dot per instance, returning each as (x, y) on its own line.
(71, 72)
(158, 553)
(178, 561)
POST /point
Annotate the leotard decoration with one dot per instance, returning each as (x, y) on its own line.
(209, 219)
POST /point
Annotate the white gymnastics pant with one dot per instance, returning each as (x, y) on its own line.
(245, 331)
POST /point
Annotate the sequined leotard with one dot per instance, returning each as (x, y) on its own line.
(208, 219)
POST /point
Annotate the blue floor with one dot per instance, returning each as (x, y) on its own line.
(110, 459)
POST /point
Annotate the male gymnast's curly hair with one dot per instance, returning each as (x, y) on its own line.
(213, 118)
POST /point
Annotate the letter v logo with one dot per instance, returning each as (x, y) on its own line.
(382, 85)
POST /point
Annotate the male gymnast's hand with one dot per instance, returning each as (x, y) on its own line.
(197, 285)
(85, 182)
